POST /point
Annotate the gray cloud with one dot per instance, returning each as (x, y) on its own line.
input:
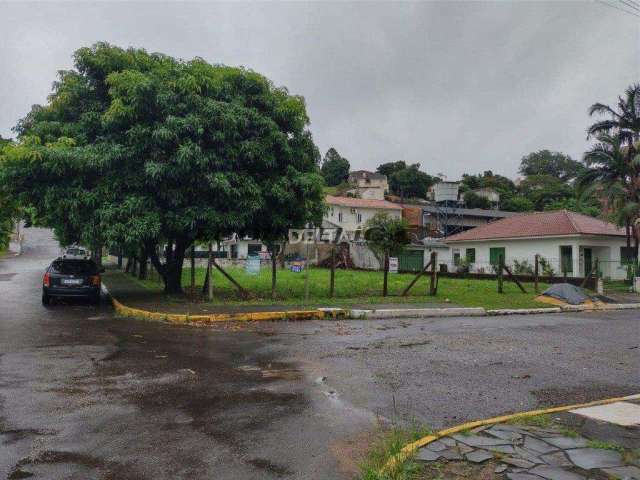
(456, 86)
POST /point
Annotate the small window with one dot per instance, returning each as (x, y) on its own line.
(627, 255)
(566, 259)
(359, 218)
(456, 258)
(339, 216)
(331, 211)
(470, 254)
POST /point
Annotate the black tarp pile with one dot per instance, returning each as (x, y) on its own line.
(567, 293)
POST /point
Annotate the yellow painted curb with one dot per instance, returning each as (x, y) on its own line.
(292, 315)
(410, 448)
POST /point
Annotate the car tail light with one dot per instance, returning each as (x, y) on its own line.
(95, 280)
(46, 280)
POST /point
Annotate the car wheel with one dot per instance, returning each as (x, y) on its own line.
(46, 299)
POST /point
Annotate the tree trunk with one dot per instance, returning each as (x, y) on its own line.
(274, 270)
(628, 232)
(171, 271)
(127, 267)
(142, 270)
(386, 274)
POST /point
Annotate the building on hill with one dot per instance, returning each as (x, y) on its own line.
(569, 242)
(368, 185)
(351, 213)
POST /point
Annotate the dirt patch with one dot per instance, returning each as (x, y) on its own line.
(351, 452)
(269, 466)
(582, 394)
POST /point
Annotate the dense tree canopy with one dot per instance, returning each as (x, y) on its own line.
(146, 151)
(390, 168)
(488, 179)
(555, 164)
(406, 181)
(335, 168)
(473, 200)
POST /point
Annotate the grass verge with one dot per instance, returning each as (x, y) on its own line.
(389, 445)
(357, 287)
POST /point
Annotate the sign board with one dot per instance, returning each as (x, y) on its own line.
(252, 265)
(393, 264)
(296, 266)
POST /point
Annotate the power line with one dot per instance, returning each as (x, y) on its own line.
(631, 5)
(618, 8)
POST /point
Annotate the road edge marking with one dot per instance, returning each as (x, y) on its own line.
(410, 448)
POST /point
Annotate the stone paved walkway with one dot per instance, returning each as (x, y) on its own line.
(568, 446)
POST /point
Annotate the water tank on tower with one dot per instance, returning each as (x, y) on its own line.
(446, 191)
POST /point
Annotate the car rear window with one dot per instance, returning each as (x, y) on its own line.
(74, 267)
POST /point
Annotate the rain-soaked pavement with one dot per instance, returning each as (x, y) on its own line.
(84, 395)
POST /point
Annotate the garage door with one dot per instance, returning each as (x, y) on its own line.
(411, 261)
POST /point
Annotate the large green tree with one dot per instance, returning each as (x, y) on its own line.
(406, 181)
(555, 164)
(135, 148)
(386, 237)
(543, 190)
(335, 168)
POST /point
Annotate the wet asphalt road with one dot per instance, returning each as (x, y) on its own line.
(84, 395)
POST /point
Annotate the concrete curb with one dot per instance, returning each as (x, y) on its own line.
(417, 313)
(410, 448)
(291, 315)
(523, 311)
(331, 313)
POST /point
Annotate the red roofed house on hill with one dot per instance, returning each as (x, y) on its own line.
(569, 241)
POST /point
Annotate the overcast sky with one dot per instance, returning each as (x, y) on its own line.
(455, 86)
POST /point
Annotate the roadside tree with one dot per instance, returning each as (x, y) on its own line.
(138, 148)
(387, 237)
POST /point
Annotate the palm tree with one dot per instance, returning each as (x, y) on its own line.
(611, 176)
(619, 135)
(625, 121)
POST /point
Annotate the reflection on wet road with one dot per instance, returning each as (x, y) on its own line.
(85, 395)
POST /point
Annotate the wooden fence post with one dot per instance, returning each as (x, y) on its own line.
(500, 270)
(332, 277)
(193, 268)
(536, 273)
(433, 284)
(210, 273)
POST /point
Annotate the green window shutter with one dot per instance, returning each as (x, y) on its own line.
(495, 253)
(566, 259)
(471, 255)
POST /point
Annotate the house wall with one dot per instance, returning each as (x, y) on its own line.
(349, 220)
(605, 249)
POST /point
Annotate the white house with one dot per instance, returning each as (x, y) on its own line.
(368, 185)
(351, 213)
(568, 241)
(243, 247)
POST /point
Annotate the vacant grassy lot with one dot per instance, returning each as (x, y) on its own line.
(358, 287)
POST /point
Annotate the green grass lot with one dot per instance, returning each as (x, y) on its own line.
(358, 287)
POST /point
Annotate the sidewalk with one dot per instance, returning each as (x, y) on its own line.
(596, 442)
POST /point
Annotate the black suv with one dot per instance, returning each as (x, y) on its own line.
(72, 278)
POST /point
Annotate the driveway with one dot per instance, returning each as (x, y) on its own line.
(84, 395)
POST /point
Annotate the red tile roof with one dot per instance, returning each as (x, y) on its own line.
(539, 224)
(361, 203)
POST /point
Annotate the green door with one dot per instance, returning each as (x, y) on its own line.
(495, 253)
(411, 261)
(588, 261)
